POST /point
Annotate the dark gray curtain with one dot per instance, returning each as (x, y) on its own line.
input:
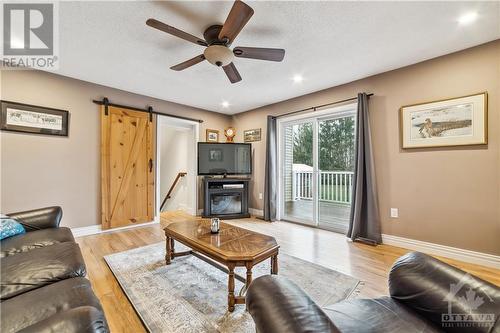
(365, 221)
(270, 182)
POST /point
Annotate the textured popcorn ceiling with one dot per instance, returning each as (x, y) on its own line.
(329, 43)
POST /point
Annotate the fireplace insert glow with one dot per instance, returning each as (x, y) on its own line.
(226, 197)
(225, 203)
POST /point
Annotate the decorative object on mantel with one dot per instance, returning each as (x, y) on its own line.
(19, 117)
(229, 132)
(212, 135)
(449, 122)
(252, 135)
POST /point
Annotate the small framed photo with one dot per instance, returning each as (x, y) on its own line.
(215, 155)
(252, 135)
(450, 122)
(18, 117)
(212, 135)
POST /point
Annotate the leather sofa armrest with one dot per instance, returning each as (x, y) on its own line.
(41, 218)
(433, 288)
(83, 319)
(280, 306)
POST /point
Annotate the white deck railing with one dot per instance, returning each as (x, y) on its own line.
(334, 186)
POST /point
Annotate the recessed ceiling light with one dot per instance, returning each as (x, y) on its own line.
(297, 78)
(467, 18)
(225, 104)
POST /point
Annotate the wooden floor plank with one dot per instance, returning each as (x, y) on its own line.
(329, 249)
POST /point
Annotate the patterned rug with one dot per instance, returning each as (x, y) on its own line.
(191, 296)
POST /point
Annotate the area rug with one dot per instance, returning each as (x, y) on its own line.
(191, 296)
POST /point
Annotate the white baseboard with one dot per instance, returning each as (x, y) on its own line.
(256, 212)
(473, 257)
(97, 229)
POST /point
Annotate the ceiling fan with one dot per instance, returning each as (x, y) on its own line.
(217, 40)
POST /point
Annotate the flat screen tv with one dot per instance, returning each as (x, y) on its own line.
(224, 158)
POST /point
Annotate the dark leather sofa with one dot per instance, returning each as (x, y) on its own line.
(43, 286)
(423, 293)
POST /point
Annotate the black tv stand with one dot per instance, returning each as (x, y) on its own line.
(225, 198)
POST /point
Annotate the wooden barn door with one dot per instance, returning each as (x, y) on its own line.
(127, 167)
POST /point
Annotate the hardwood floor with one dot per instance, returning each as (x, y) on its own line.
(367, 263)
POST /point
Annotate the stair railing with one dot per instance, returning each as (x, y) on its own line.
(168, 196)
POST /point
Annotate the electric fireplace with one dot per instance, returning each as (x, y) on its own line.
(226, 197)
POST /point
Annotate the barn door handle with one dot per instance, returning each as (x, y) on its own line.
(150, 165)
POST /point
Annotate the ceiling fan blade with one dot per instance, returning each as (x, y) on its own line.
(188, 63)
(238, 16)
(260, 53)
(232, 73)
(175, 32)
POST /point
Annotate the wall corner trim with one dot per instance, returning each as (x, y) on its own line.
(97, 229)
(469, 256)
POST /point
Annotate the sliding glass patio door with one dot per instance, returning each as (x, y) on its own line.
(298, 178)
(336, 166)
(316, 169)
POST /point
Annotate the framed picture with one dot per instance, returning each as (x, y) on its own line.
(215, 155)
(212, 135)
(450, 122)
(252, 135)
(18, 117)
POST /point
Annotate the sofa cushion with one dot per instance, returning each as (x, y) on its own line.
(442, 293)
(34, 269)
(39, 304)
(34, 240)
(10, 227)
(84, 319)
(278, 305)
(40, 218)
(382, 315)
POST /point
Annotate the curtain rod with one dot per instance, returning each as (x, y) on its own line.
(149, 110)
(313, 108)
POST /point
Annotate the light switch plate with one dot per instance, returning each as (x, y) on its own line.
(394, 212)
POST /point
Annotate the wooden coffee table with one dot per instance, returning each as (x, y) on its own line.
(231, 247)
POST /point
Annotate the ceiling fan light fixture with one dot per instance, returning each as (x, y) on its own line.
(218, 38)
(218, 55)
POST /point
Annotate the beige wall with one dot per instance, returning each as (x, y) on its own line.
(40, 170)
(448, 196)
